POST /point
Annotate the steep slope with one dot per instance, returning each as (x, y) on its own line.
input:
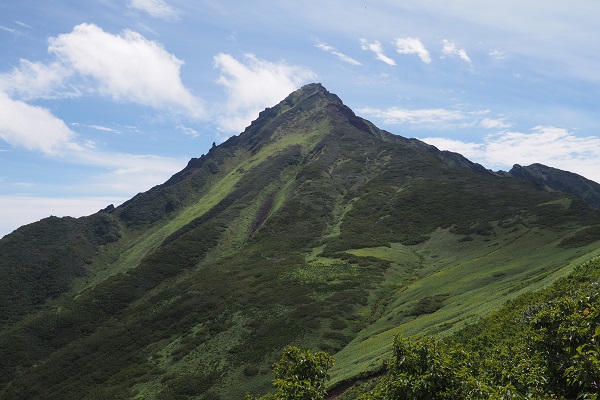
(311, 227)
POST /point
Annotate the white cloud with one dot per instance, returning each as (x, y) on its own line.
(102, 128)
(376, 48)
(9, 30)
(36, 129)
(546, 144)
(410, 45)
(96, 127)
(437, 118)
(32, 127)
(188, 131)
(428, 116)
(552, 146)
(470, 150)
(450, 49)
(341, 56)
(254, 85)
(23, 24)
(127, 67)
(155, 8)
(490, 123)
(32, 80)
(497, 54)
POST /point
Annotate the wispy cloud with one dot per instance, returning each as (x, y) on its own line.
(32, 127)
(252, 85)
(411, 45)
(37, 129)
(473, 151)
(23, 24)
(125, 174)
(31, 80)
(127, 67)
(450, 49)
(103, 128)
(433, 118)
(188, 131)
(96, 127)
(330, 49)
(556, 147)
(155, 8)
(396, 115)
(7, 29)
(376, 48)
(491, 123)
(497, 54)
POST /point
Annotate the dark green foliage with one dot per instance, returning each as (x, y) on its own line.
(39, 261)
(115, 345)
(428, 305)
(582, 238)
(391, 210)
(568, 337)
(146, 208)
(185, 386)
(300, 375)
(427, 368)
(420, 369)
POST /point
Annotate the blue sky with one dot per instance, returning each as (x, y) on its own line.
(102, 99)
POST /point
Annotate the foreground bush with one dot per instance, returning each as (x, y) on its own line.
(299, 375)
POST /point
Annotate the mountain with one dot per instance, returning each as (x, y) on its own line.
(558, 180)
(312, 227)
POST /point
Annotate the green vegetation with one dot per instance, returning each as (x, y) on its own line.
(539, 346)
(40, 261)
(312, 227)
(299, 375)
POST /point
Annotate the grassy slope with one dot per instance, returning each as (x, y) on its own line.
(470, 279)
(134, 247)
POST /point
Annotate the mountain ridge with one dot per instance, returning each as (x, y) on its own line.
(559, 180)
(531, 172)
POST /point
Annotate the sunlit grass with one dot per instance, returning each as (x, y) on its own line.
(474, 282)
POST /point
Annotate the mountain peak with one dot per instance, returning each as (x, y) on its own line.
(312, 102)
(309, 90)
(301, 109)
(308, 96)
